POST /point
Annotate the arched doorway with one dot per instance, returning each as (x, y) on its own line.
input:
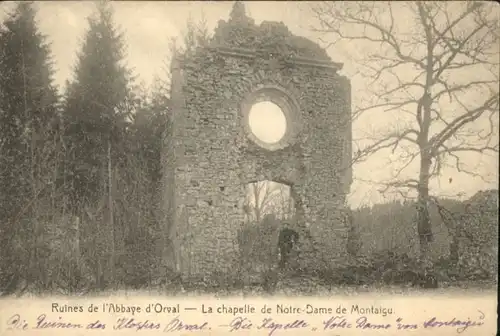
(267, 237)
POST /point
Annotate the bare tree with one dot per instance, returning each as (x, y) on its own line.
(283, 202)
(194, 36)
(260, 198)
(434, 67)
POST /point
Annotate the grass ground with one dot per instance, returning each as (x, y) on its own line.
(304, 290)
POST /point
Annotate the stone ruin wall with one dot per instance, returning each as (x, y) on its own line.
(210, 156)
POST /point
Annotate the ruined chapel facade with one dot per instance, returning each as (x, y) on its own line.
(210, 153)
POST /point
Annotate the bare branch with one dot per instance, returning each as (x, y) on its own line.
(326, 11)
(481, 150)
(409, 161)
(455, 51)
(461, 87)
(389, 141)
(444, 54)
(470, 116)
(408, 183)
(460, 168)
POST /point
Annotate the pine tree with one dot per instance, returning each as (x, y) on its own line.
(28, 120)
(95, 122)
(93, 101)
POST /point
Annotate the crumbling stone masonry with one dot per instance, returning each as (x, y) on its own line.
(210, 153)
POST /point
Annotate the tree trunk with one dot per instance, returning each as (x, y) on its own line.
(111, 222)
(256, 193)
(454, 245)
(423, 218)
(257, 214)
(76, 220)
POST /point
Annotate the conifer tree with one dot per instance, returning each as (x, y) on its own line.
(93, 101)
(28, 125)
(95, 122)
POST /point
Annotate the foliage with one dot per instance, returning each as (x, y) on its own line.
(258, 244)
(196, 36)
(68, 224)
(80, 182)
(93, 110)
(389, 227)
(29, 147)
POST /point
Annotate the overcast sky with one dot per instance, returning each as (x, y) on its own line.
(148, 26)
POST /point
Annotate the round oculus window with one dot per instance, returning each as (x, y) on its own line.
(267, 122)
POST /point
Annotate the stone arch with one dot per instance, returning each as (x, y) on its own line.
(209, 153)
